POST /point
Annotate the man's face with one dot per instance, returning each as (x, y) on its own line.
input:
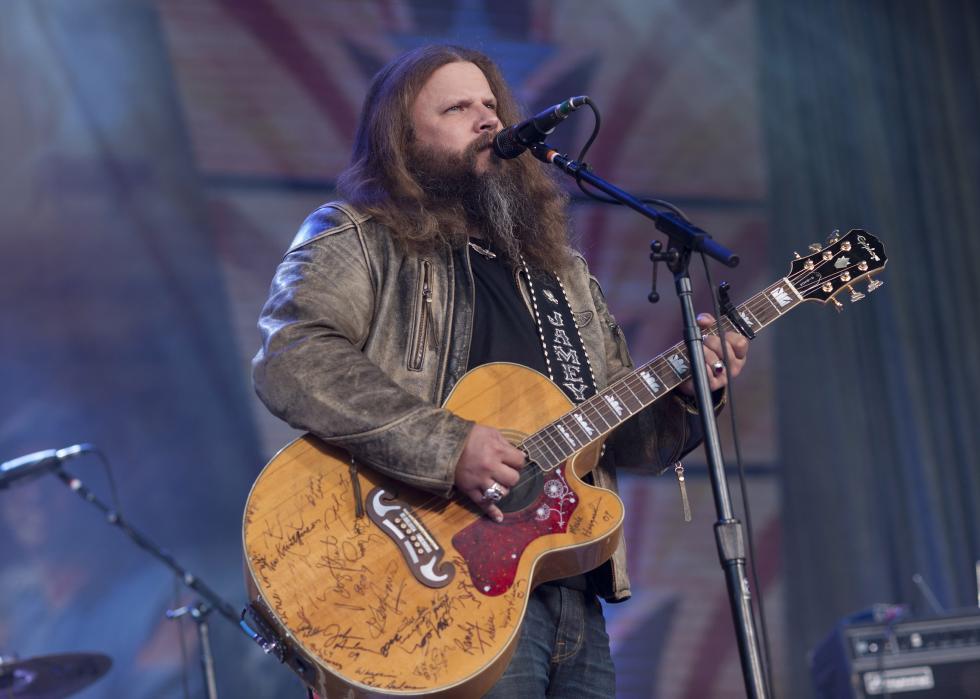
(453, 110)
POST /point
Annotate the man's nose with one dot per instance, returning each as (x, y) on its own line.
(489, 121)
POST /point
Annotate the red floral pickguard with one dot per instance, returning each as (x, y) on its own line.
(492, 551)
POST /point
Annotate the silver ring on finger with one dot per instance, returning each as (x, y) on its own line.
(717, 367)
(494, 493)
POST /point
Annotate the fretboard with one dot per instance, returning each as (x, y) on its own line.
(624, 398)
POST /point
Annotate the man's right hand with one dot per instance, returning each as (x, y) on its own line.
(487, 458)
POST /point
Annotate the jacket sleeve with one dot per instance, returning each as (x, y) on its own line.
(310, 370)
(660, 434)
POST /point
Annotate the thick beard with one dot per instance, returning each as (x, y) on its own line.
(491, 205)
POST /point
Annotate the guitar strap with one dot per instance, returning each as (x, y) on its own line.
(564, 352)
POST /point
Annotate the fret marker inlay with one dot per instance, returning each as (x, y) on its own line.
(568, 438)
(650, 381)
(584, 424)
(781, 296)
(614, 404)
(678, 364)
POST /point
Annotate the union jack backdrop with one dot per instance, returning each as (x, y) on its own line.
(260, 100)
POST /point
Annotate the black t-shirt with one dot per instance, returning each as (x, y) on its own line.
(503, 330)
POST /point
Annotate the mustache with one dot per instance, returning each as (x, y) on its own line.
(481, 142)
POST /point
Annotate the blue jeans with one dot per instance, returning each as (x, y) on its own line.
(563, 650)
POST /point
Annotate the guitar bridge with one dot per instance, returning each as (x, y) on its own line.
(421, 551)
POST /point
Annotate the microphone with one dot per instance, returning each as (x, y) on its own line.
(37, 464)
(514, 140)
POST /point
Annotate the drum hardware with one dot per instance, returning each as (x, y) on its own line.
(12, 676)
(199, 613)
(50, 676)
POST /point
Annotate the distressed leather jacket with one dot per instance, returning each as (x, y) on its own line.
(362, 343)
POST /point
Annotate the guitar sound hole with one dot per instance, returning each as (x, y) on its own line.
(526, 491)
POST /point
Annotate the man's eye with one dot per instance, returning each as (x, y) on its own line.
(455, 108)
(491, 105)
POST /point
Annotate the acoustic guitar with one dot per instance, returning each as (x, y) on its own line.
(367, 587)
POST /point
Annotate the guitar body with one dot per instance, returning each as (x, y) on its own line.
(419, 595)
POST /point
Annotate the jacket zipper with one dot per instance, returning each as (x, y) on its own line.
(423, 320)
(447, 320)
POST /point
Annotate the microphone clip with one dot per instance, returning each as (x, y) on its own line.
(730, 312)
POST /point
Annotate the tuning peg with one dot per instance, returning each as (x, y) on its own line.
(834, 236)
(816, 247)
(796, 255)
(838, 306)
(874, 284)
(855, 294)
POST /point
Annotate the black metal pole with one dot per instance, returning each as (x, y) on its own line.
(686, 239)
(185, 576)
(682, 233)
(728, 530)
(199, 613)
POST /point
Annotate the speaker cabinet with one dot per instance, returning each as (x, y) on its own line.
(932, 658)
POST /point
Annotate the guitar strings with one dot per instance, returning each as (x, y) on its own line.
(543, 437)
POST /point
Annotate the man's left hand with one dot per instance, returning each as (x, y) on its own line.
(738, 349)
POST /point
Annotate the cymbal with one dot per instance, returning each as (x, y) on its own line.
(50, 676)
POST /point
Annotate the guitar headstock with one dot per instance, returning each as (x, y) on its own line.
(836, 266)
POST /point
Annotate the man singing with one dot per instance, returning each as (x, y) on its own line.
(442, 258)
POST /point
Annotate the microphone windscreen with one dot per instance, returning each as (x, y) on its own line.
(506, 145)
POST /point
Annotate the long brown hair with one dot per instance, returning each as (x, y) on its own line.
(379, 180)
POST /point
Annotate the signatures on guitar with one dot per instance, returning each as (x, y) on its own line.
(477, 637)
(585, 526)
(285, 537)
(416, 633)
(347, 596)
(427, 634)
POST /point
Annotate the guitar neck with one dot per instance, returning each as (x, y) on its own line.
(608, 409)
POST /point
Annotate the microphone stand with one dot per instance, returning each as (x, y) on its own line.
(198, 611)
(686, 239)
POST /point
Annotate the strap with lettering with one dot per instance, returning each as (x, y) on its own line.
(564, 352)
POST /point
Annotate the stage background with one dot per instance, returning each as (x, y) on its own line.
(158, 157)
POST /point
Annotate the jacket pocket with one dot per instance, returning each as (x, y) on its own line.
(421, 327)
